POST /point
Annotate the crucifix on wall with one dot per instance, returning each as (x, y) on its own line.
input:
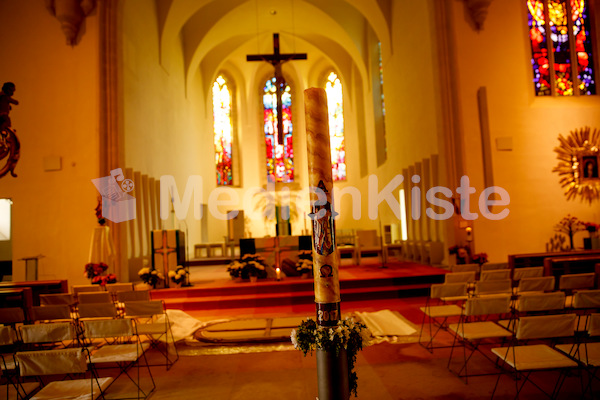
(277, 59)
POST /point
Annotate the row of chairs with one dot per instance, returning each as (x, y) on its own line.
(45, 351)
(509, 319)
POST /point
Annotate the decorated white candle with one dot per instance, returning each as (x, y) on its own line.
(325, 261)
(278, 272)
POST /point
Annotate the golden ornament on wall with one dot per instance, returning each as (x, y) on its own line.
(578, 156)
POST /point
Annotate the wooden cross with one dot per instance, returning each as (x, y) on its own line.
(165, 251)
(276, 59)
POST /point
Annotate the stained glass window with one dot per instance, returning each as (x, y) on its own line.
(222, 130)
(561, 45)
(335, 105)
(280, 156)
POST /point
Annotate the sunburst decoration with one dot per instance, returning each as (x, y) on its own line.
(581, 145)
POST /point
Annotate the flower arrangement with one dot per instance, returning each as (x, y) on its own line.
(249, 265)
(102, 280)
(150, 277)
(179, 275)
(479, 258)
(569, 225)
(348, 334)
(463, 255)
(305, 262)
(93, 270)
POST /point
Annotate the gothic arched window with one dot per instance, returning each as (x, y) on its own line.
(280, 156)
(561, 46)
(223, 131)
(335, 106)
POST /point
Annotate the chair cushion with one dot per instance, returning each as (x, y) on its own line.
(77, 389)
(480, 330)
(449, 310)
(538, 356)
(119, 353)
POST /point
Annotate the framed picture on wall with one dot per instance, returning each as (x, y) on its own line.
(589, 167)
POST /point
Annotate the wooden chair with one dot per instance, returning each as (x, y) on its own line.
(369, 242)
(346, 241)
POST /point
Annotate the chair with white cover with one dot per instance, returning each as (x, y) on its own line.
(527, 272)
(115, 288)
(76, 289)
(51, 313)
(133, 295)
(459, 277)
(539, 284)
(94, 298)
(62, 362)
(588, 351)
(493, 266)
(54, 299)
(477, 325)
(465, 268)
(495, 275)
(120, 348)
(493, 287)
(524, 359)
(535, 303)
(446, 298)
(8, 369)
(48, 335)
(572, 282)
(153, 322)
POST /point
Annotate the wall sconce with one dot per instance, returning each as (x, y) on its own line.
(469, 231)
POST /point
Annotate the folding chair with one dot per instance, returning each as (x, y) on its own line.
(493, 287)
(539, 284)
(121, 348)
(527, 272)
(587, 353)
(493, 266)
(48, 335)
(535, 303)
(459, 277)
(51, 313)
(584, 303)
(446, 295)
(133, 295)
(572, 282)
(57, 299)
(114, 288)
(94, 298)
(470, 333)
(62, 362)
(12, 316)
(97, 310)
(465, 268)
(85, 288)
(8, 369)
(526, 359)
(153, 322)
(495, 275)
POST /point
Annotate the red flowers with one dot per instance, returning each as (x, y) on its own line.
(94, 270)
(104, 279)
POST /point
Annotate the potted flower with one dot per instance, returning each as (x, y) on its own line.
(178, 276)
(93, 270)
(102, 280)
(344, 341)
(150, 277)
(250, 266)
(305, 263)
(235, 270)
(254, 267)
(463, 254)
(479, 258)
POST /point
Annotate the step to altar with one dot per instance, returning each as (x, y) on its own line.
(356, 284)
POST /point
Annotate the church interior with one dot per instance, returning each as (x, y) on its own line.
(461, 132)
